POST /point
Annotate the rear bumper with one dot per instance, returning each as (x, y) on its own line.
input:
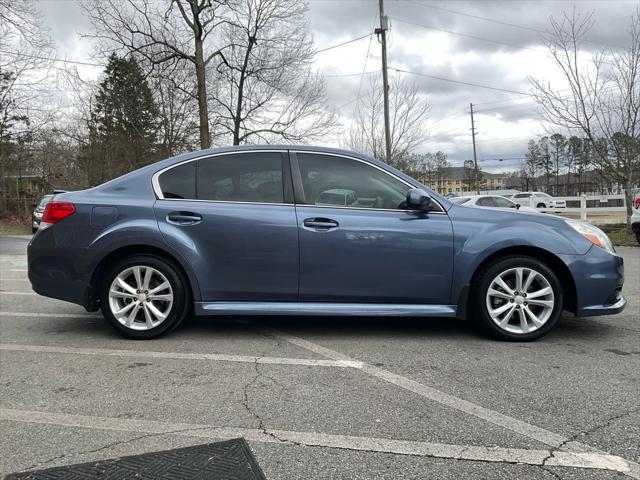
(599, 278)
(59, 273)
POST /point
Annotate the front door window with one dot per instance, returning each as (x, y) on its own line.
(343, 182)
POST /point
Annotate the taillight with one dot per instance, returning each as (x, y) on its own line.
(56, 211)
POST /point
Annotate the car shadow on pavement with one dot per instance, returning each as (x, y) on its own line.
(585, 329)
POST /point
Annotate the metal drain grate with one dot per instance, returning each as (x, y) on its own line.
(228, 460)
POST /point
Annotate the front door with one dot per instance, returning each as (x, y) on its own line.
(359, 243)
(232, 217)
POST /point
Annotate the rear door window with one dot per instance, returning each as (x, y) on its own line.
(179, 182)
(503, 203)
(486, 202)
(254, 177)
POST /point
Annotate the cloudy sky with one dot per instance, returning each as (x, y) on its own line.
(490, 43)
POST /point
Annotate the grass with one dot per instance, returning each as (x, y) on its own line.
(13, 229)
(15, 225)
(620, 234)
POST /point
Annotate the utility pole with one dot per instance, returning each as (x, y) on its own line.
(382, 32)
(475, 157)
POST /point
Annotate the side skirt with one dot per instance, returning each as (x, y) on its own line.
(319, 308)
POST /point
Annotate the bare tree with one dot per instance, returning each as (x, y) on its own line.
(266, 89)
(409, 111)
(21, 19)
(25, 99)
(604, 103)
(178, 32)
(173, 92)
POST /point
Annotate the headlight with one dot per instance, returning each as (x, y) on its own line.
(593, 234)
(37, 215)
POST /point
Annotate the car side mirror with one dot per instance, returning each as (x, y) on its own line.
(517, 206)
(418, 199)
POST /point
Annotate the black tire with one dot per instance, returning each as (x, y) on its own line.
(541, 205)
(34, 230)
(179, 285)
(478, 310)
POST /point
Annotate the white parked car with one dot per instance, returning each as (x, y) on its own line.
(538, 200)
(490, 201)
(635, 223)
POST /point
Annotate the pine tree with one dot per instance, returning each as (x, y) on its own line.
(124, 122)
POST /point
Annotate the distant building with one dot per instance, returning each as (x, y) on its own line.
(459, 180)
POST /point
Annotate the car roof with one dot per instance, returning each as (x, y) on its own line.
(130, 182)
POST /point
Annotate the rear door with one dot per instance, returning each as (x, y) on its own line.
(232, 217)
(374, 249)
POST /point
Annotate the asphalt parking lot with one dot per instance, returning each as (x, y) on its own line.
(322, 397)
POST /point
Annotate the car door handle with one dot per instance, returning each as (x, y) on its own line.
(321, 224)
(184, 218)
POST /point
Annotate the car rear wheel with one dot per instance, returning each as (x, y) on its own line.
(541, 205)
(517, 298)
(144, 296)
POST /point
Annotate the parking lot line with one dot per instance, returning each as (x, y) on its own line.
(17, 293)
(348, 442)
(49, 315)
(557, 441)
(217, 357)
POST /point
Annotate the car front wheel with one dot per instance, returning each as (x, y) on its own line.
(144, 297)
(517, 298)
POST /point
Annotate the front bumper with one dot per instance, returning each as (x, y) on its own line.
(599, 277)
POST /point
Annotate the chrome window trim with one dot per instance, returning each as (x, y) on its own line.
(155, 183)
(159, 195)
(312, 152)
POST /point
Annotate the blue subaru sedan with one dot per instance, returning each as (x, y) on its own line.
(282, 230)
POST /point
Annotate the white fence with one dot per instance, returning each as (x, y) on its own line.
(603, 208)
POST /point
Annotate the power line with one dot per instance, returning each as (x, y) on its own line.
(51, 59)
(460, 82)
(474, 37)
(343, 43)
(366, 59)
(342, 75)
(444, 121)
(91, 64)
(500, 22)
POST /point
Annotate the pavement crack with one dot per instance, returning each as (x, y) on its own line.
(583, 433)
(246, 403)
(548, 470)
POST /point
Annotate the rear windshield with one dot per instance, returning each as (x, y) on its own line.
(460, 200)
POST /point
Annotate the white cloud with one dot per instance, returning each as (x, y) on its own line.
(501, 131)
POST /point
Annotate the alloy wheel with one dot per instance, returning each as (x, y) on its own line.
(140, 297)
(520, 300)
